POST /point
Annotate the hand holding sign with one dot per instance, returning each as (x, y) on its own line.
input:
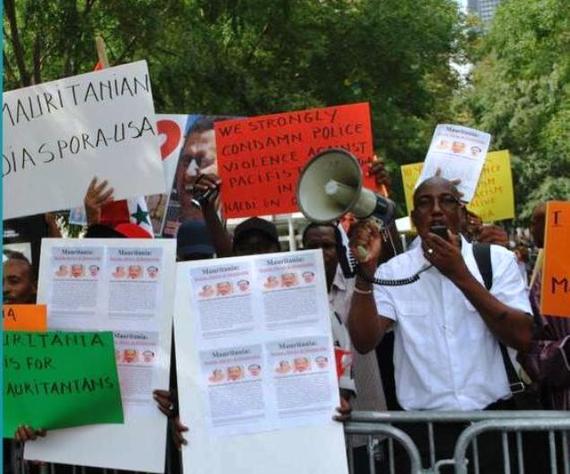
(26, 433)
(97, 196)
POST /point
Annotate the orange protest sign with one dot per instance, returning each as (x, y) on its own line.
(260, 158)
(555, 294)
(24, 317)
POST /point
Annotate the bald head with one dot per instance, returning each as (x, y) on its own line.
(440, 182)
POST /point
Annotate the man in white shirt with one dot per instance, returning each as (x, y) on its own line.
(447, 325)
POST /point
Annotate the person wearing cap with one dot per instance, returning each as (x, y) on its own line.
(255, 236)
(193, 241)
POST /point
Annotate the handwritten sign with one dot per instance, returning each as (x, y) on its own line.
(494, 197)
(260, 158)
(60, 134)
(60, 379)
(459, 152)
(24, 317)
(555, 294)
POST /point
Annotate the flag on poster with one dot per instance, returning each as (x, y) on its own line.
(128, 211)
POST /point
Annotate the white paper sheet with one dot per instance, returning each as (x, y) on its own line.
(127, 286)
(59, 135)
(256, 374)
(460, 154)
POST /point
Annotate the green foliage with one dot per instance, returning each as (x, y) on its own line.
(521, 94)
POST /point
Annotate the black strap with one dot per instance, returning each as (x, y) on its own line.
(482, 254)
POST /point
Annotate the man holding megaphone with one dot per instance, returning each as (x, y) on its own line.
(447, 325)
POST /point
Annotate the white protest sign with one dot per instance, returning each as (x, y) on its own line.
(459, 152)
(59, 135)
(256, 367)
(125, 286)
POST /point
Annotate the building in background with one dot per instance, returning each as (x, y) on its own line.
(484, 9)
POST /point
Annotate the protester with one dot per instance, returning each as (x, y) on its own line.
(447, 325)
(547, 360)
(18, 281)
(18, 287)
(193, 241)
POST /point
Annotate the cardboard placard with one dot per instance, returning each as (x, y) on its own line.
(60, 134)
(24, 317)
(555, 294)
(60, 379)
(260, 158)
(494, 196)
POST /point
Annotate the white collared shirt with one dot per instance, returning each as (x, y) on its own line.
(445, 357)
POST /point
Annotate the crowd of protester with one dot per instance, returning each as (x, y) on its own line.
(434, 344)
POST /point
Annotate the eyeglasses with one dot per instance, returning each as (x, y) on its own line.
(446, 202)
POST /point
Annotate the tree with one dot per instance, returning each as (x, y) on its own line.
(521, 95)
(253, 57)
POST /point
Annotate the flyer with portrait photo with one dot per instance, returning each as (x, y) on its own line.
(256, 365)
(125, 286)
(459, 154)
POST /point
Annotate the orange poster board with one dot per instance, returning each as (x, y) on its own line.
(24, 317)
(260, 158)
(555, 294)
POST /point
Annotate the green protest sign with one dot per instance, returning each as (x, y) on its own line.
(60, 379)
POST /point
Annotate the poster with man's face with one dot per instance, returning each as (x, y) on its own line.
(194, 155)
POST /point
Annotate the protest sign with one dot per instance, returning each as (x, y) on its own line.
(256, 366)
(24, 317)
(459, 152)
(555, 293)
(260, 158)
(194, 154)
(171, 130)
(59, 379)
(494, 197)
(125, 286)
(59, 135)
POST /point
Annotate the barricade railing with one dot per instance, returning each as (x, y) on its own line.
(379, 425)
(517, 426)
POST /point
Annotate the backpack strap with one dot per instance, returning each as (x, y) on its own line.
(482, 254)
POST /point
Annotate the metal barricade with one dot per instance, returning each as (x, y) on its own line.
(518, 426)
(380, 425)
